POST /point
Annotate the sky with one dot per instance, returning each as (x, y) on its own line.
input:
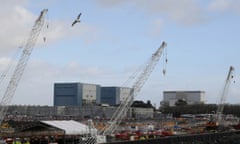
(115, 38)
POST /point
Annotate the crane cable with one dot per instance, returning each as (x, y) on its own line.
(11, 62)
(138, 70)
(165, 61)
(45, 29)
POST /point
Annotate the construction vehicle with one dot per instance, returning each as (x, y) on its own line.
(21, 65)
(216, 120)
(125, 105)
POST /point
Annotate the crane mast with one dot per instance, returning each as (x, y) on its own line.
(224, 94)
(21, 65)
(124, 106)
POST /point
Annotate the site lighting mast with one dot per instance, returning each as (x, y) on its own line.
(21, 65)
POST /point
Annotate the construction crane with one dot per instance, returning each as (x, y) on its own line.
(216, 121)
(21, 65)
(125, 105)
(223, 96)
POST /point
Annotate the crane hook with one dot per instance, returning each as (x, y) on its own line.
(164, 71)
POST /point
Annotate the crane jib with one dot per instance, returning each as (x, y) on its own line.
(21, 65)
(125, 105)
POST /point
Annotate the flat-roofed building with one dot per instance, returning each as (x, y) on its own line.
(190, 97)
(113, 95)
(75, 94)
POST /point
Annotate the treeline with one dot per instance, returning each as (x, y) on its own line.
(200, 109)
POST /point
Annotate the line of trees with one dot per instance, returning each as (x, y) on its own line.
(199, 109)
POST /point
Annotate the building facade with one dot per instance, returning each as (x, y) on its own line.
(109, 95)
(141, 112)
(33, 113)
(190, 97)
(124, 93)
(75, 94)
(79, 94)
(113, 95)
(90, 93)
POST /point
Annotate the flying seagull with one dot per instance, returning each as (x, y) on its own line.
(77, 19)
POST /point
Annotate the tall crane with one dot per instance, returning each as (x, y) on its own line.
(224, 95)
(125, 105)
(216, 122)
(21, 65)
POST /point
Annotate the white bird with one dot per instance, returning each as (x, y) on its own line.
(77, 20)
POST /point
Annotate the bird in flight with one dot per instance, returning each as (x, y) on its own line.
(77, 20)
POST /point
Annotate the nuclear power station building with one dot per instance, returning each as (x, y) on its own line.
(80, 94)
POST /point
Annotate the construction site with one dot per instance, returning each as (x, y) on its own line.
(123, 123)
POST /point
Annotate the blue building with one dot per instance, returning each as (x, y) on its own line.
(75, 94)
(110, 95)
(113, 95)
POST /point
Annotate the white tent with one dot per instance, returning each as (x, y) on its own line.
(71, 127)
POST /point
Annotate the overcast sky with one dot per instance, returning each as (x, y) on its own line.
(115, 37)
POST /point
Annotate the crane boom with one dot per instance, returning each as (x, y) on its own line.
(224, 94)
(21, 65)
(124, 106)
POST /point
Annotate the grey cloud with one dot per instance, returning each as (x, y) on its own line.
(224, 6)
(15, 21)
(187, 12)
(111, 3)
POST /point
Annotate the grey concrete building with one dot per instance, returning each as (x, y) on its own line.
(190, 97)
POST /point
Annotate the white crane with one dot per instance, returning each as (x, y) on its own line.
(124, 106)
(223, 96)
(21, 65)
